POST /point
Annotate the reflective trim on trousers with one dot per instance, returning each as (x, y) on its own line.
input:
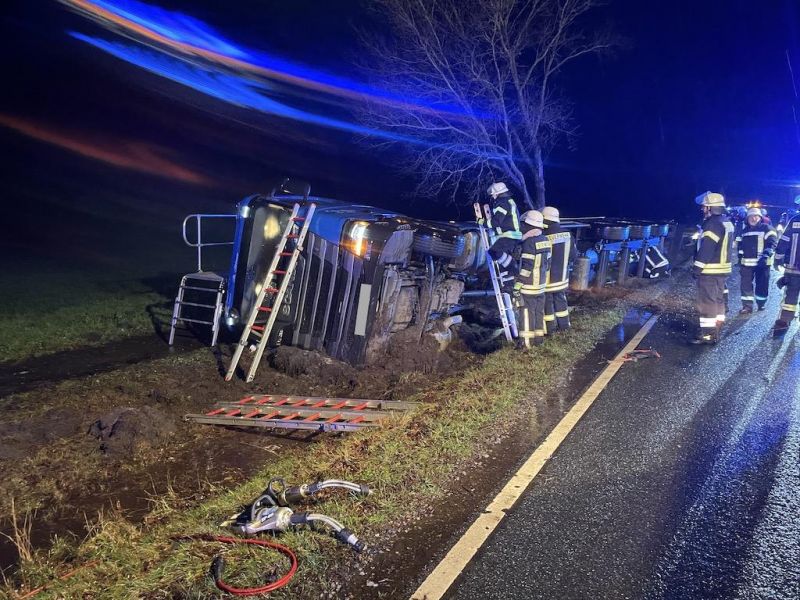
(556, 287)
(563, 313)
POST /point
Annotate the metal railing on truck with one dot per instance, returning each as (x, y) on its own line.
(200, 282)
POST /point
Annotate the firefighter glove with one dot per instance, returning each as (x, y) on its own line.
(781, 282)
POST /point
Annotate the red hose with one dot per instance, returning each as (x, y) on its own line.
(217, 567)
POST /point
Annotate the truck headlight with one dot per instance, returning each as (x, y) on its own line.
(272, 227)
(357, 237)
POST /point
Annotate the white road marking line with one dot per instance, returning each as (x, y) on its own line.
(451, 566)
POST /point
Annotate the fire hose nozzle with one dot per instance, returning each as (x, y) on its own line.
(217, 566)
(348, 537)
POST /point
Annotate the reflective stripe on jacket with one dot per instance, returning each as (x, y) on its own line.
(788, 252)
(714, 246)
(558, 274)
(757, 244)
(534, 264)
(505, 218)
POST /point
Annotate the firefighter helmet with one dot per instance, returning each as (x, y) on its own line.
(711, 199)
(533, 218)
(551, 214)
(754, 212)
(496, 189)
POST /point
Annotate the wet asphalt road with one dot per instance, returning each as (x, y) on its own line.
(682, 481)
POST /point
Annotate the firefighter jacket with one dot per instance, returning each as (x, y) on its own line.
(505, 218)
(534, 264)
(563, 253)
(788, 252)
(714, 247)
(757, 245)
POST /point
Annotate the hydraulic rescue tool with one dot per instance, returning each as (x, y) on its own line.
(271, 512)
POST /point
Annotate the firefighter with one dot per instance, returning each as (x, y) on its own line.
(756, 245)
(712, 266)
(534, 264)
(556, 309)
(788, 256)
(506, 231)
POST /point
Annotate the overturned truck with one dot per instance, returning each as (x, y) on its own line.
(362, 276)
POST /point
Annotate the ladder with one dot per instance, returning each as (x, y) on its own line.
(504, 304)
(201, 283)
(271, 295)
(301, 412)
(198, 283)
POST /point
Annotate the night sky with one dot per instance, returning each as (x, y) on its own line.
(699, 97)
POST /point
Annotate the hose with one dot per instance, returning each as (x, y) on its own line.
(340, 532)
(218, 564)
(287, 496)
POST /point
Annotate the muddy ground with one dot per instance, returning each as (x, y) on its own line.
(115, 440)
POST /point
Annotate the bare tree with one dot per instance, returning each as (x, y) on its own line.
(478, 76)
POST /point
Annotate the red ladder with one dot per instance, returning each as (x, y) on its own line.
(301, 412)
(271, 294)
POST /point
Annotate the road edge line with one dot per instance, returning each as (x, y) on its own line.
(459, 556)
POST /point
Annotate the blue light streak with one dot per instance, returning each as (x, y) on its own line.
(190, 34)
(227, 87)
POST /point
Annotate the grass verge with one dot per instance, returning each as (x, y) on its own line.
(408, 462)
(49, 310)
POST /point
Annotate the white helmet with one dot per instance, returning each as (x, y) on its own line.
(496, 189)
(754, 212)
(533, 218)
(551, 214)
(711, 199)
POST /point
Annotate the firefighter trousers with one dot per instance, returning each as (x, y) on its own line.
(791, 296)
(556, 311)
(502, 252)
(759, 274)
(531, 321)
(711, 302)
